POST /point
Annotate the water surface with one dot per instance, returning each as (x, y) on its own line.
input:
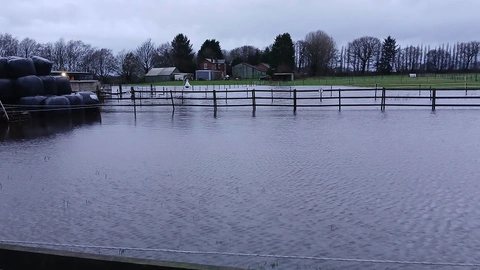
(399, 185)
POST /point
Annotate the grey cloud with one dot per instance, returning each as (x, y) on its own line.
(120, 24)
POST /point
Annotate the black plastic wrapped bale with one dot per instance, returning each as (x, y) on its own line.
(28, 86)
(20, 67)
(89, 98)
(49, 85)
(3, 68)
(43, 66)
(63, 85)
(33, 104)
(7, 92)
(76, 102)
(57, 105)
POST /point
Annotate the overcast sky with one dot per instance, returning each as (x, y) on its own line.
(122, 24)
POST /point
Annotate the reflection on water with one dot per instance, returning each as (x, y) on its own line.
(47, 126)
(400, 185)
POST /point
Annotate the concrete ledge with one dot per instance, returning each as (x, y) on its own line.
(85, 85)
(14, 257)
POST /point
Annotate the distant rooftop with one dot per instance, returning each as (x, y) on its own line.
(161, 71)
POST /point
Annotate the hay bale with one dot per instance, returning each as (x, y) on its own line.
(3, 68)
(89, 98)
(43, 66)
(63, 85)
(28, 86)
(7, 92)
(49, 85)
(33, 103)
(20, 67)
(76, 100)
(57, 105)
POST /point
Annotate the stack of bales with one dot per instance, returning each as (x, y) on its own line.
(28, 82)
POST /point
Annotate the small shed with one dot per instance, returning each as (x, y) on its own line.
(161, 74)
(283, 76)
(247, 71)
(208, 75)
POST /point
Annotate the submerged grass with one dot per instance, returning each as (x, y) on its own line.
(439, 81)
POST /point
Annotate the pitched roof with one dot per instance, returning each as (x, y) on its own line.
(246, 64)
(161, 71)
(265, 64)
(214, 61)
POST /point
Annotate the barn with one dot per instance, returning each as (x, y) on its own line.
(247, 71)
(161, 74)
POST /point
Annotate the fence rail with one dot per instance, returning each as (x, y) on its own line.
(275, 97)
(294, 98)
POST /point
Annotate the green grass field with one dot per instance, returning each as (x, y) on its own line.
(442, 81)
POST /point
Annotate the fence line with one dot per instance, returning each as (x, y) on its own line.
(292, 97)
(287, 97)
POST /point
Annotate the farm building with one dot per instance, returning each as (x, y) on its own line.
(208, 75)
(263, 67)
(77, 76)
(161, 74)
(247, 71)
(214, 64)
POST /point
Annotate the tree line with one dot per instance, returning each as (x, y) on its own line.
(315, 55)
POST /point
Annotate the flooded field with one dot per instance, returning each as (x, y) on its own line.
(399, 185)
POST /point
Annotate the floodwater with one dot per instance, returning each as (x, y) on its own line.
(399, 185)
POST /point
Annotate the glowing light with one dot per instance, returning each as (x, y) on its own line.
(64, 74)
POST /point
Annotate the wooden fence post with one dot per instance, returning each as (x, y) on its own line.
(151, 89)
(171, 97)
(434, 95)
(254, 106)
(376, 85)
(120, 89)
(339, 100)
(294, 100)
(383, 99)
(214, 101)
(321, 94)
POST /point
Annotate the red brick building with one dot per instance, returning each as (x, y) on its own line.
(214, 64)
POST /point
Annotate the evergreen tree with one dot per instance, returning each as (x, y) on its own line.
(210, 49)
(387, 59)
(182, 53)
(283, 52)
(265, 58)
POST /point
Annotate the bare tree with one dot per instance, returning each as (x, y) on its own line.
(320, 49)
(163, 56)
(145, 54)
(8, 45)
(300, 54)
(365, 49)
(469, 53)
(73, 55)
(59, 54)
(244, 53)
(104, 63)
(27, 47)
(46, 50)
(126, 65)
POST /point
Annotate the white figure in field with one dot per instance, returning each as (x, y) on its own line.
(187, 84)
